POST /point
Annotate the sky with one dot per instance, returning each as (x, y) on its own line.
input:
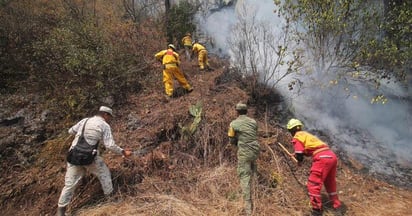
(377, 134)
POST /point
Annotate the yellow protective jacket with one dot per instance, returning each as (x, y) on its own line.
(307, 143)
(187, 41)
(168, 57)
(197, 48)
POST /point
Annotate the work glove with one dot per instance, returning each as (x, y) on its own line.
(299, 158)
(233, 141)
(127, 152)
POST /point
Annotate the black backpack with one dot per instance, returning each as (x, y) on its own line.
(82, 153)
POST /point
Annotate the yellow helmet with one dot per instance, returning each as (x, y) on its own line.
(293, 123)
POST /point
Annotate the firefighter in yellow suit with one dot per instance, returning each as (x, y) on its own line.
(170, 61)
(187, 43)
(201, 51)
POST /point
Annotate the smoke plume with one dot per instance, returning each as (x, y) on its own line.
(379, 135)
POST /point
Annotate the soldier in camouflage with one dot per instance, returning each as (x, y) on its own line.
(243, 133)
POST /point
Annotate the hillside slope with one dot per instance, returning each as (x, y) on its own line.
(187, 173)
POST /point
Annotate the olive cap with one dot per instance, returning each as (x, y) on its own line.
(241, 106)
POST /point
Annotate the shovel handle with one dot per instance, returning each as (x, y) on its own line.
(287, 152)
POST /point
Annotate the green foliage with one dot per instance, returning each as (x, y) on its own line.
(333, 31)
(392, 53)
(77, 55)
(19, 26)
(181, 19)
(346, 37)
(81, 69)
(4, 2)
(196, 112)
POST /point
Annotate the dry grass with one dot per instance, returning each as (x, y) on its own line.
(192, 176)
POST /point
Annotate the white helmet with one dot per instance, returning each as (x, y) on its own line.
(172, 46)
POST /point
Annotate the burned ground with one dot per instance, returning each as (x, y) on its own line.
(185, 171)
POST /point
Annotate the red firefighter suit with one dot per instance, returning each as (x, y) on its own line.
(323, 170)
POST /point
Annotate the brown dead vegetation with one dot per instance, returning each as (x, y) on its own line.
(195, 175)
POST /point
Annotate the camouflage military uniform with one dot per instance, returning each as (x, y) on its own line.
(244, 130)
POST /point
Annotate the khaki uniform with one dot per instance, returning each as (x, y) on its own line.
(75, 173)
(244, 129)
(96, 129)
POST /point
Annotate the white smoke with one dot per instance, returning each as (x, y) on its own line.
(378, 134)
(218, 26)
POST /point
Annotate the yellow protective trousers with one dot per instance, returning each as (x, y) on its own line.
(171, 72)
(203, 59)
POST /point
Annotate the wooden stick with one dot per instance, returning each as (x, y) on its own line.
(287, 152)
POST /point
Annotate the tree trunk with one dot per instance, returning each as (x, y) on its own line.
(168, 26)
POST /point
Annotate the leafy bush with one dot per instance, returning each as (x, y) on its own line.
(354, 35)
(392, 53)
(76, 54)
(181, 20)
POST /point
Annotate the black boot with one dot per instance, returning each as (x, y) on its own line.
(338, 211)
(61, 211)
(316, 212)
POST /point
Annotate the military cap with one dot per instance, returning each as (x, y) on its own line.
(241, 106)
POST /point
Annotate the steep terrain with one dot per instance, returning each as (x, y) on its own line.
(184, 171)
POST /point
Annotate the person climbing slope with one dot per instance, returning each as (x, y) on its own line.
(170, 61)
(243, 133)
(202, 58)
(187, 43)
(88, 132)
